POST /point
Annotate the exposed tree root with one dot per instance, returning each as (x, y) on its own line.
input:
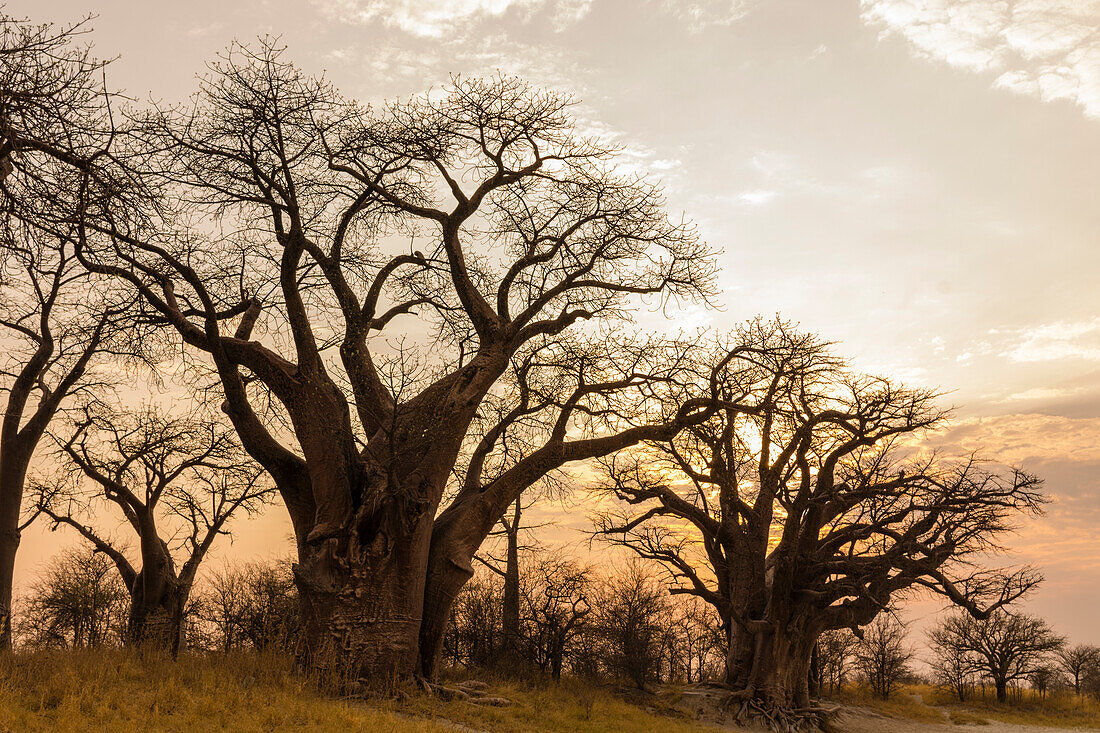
(747, 709)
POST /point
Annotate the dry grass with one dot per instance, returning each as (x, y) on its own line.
(902, 704)
(930, 704)
(571, 705)
(1059, 709)
(115, 690)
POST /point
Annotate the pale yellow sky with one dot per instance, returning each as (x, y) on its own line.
(917, 179)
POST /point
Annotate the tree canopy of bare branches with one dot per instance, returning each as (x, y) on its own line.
(797, 507)
(286, 232)
(175, 482)
(1005, 647)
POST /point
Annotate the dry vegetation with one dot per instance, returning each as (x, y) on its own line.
(930, 704)
(108, 690)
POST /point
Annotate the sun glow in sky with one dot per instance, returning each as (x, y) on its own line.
(918, 180)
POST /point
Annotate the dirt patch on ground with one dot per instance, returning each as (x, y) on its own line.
(853, 719)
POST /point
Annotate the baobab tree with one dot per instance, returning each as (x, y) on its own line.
(176, 482)
(55, 317)
(56, 321)
(798, 508)
(1004, 646)
(521, 229)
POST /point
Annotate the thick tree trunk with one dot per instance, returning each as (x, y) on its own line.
(779, 674)
(157, 621)
(362, 604)
(156, 597)
(1002, 691)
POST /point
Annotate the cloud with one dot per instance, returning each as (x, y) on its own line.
(700, 14)
(757, 197)
(442, 17)
(1045, 48)
(1029, 437)
(1054, 342)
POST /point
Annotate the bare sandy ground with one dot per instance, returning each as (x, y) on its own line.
(861, 720)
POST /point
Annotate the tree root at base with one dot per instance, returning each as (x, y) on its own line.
(748, 710)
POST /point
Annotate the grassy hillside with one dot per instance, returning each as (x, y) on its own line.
(113, 690)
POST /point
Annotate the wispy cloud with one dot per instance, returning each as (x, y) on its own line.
(1053, 341)
(700, 14)
(1046, 48)
(443, 17)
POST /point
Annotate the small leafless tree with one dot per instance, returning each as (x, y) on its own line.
(953, 667)
(631, 614)
(836, 649)
(175, 481)
(77, 600)
(1042, 678)
(1077, 661)
(474, 628)
(557, 600)
(882, 655)
(1006, 647)
(250, 605)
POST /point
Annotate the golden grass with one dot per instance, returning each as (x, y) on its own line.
(930, 704)
(116, 690)
(1058, 710)
(902, 704)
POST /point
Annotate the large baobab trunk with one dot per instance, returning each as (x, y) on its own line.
(780, 669)
(361, 604)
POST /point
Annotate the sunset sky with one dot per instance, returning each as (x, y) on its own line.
(918, 180)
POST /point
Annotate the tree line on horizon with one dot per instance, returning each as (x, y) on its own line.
(402, 322)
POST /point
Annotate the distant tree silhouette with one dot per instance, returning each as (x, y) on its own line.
(168, 477)
(1077, 662)
(952, 666)
(251, 605)
(1005, 647)
(836, 648)
(797, 507)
